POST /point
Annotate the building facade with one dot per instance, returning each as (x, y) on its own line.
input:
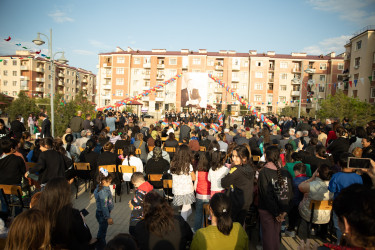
(360, 65)
(269, 81)
(25, 72)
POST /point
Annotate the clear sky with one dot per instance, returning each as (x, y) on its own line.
(84, 28)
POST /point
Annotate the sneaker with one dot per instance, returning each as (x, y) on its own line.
(290, 233)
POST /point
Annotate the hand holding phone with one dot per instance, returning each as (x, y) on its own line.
(359, 163)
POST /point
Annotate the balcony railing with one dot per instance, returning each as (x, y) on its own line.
(61, 75)
(25, 78)
(219, 67)
(235, 79)
(25, 87)
(24, 68)
(40, 70)
(84, 80)
(39, 89)
(147, 65)
(160, 66)
(108, 64)
(236, 67)
(295, 93)
(39, 79)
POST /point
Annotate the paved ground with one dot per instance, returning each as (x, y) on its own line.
(121, 215)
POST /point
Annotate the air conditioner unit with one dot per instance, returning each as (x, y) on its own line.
(356, 66)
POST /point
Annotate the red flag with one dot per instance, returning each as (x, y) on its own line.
(350, 83)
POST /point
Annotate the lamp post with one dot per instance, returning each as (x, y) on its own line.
(308, 71)
(38, 41)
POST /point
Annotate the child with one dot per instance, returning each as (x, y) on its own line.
(217, 171)
(183, 177)
(203, 189)
(104, 205)
(136, 204)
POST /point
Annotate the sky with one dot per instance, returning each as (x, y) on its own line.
(84, 28)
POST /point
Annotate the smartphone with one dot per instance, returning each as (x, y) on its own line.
(84, 212)
(354, 162)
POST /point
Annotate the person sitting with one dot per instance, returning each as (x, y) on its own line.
(194, 142)
(141, 144)
(204, 142)
(220, 138)
(164, 154)
(72, 149)
(156, 165)
(122, 143)
(89, 156)
(160, 228)
(85, 136)
(223, 233)
(131, 160)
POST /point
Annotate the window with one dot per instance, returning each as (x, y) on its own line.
(147, 72)
(373, 93)
(258, 74)
(283, 87)
(67, 80)
(323, 66)
(373, 75)
(357, 62)
(236, 62)
(120, 59)
(14, 73)
(14, 62)
(284, 76)
(5, 83)
(243, 86)
(258, 86)
(196, 61)
(196, 70)
(119, 92)
(234, 85)
(270, 98)
(246, 63)
(14, 83)
(321, 88)
(172, 61)
(5, 72)
(147, 59)
(322, 78)
(245, 75)
(219, 73)
(358, 45)
(137, 60)
(67, 89)
(210, 62)
(340, 66)
(257, 98)
(147, 84)
(120, 81)
(282, 99)
(259, 63)
(120, 71)
(172, 72)
(5, 62)
(283, 65)
(234, 75)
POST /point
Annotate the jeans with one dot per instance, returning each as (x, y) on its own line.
(32, 129)
(103, 226)
(4, 207)
(76, 135)
(336, 224)
(199, 213)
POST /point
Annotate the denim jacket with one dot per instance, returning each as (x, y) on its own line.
(104, 201)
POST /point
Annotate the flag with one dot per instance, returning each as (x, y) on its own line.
(362, 80)
(355, 82)
(350, 83)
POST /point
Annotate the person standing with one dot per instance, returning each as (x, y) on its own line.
(30, 123)
(46, 126)
(184, 131)
(88, 124)
(76, 124)
(17, 127)
(111, 122)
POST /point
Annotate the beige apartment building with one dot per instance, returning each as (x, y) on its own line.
(25, 72)
(360, 65)
(269, 81)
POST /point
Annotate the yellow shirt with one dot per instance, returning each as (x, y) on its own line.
(211, 238)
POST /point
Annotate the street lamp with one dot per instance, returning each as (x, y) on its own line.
(297, 80)
(38, 41)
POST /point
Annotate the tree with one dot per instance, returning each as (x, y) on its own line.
(293, 112)
(341, 106)
(23, 105)
(81, 103)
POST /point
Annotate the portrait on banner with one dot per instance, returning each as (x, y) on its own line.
(194, 90)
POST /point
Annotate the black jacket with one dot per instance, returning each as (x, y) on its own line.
(50, 164)
(337, 147)
(241, 194)
(156, 167)
(17, 128)
(271, 197)
(184, 132)
(46, 129)
(12, 168)
(108, 158)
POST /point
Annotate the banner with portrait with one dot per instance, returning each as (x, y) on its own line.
(194, 90)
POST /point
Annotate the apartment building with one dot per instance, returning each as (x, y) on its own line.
(269, 81)
(359, 73)
(25, 72)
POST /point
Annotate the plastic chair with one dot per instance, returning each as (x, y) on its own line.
(256, 158)
(150, 148)
(138, 151)
(119, 151)
(202, 148)
(126, 169)
(83, 172)
(167, 184)
(170, 149)
(12, 190)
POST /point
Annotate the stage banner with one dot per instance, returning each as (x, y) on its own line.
(194, 90)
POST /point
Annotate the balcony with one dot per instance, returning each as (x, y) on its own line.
(159, 99)
(25, 87)
(160, 77)
(147, 77)
(271, 68)
(61, 92)
(218, 90)
(108, 64)
(160, 66)
(61, 75)
(24, 67)
(40, 70)
(84, 80)
(106, 86)
(296, 82)
(235, 79)
(39, 89)
(84, 88)
(295, 93)
(147, 65)
(296, 70)
(310, 82)
(310, 70)
(185, 66)
(309, 105)
(236, 67)
(60, 83)
(39, 79)
(23, 83)
(108, 76)
(269, 91)
(271, 79)
(219, 67)
(269, 103)
(24, 78)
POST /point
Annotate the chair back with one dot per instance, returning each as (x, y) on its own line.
(110, 168)
(163, 139)
(170, 149)
(11, 189)
(82, 166)
(127, 169)
(119, 151)
(138, 151)
(321, 205)
(150, 148)
(256, 158)
(167, 183)
(202, 148)
(180, 143)
(30, 165)
(154, 177)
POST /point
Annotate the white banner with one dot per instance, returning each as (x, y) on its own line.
(194, 90)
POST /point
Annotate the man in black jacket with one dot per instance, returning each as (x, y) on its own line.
(17, 127)
(46, 126)
(184, 132)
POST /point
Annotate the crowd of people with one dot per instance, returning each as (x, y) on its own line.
(245, 176)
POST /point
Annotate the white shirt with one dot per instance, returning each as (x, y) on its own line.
(223, 146)
(133, 161)
(215, 177)
(182, 184)
(170, 130)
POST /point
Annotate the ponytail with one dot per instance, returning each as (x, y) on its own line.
(221, 208)
(273, 155)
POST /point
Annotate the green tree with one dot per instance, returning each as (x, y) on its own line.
(293, 112)
(341, 106)
(81, 103)
(23, 105)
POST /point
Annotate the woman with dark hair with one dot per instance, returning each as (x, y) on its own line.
(131, 160)
(228, 156)
(25, 144)
(71, 148)
(50, 164)
(223, 233)
(360, 133)
(90, 156)
(221, 140)
(316, 188)
(320, 157)
(156, 165)
(142, 145)
(108, 157)
(217, 171)
(68, 230)
(33, 155)
(240, 183)
(103, 137)
(275, 192)
(286, 157)
(339, 145)
(171, 141)
(123, 142)
(160, 228)
(165, 155)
